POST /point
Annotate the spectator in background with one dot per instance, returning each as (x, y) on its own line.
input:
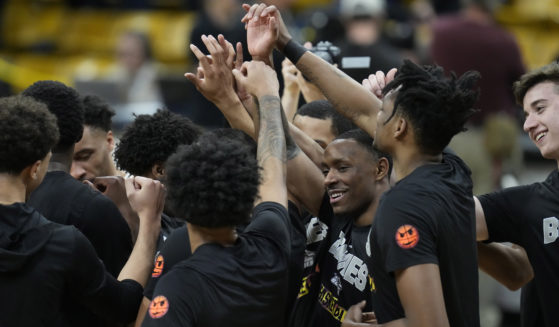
(363, 21)
(137, 73)
(471, 40)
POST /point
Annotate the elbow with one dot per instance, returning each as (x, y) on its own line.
(521, 277)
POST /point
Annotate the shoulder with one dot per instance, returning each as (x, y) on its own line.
(270, 216)
(176, 299)
(182, 285)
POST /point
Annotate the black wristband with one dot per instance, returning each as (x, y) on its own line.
(293, 51)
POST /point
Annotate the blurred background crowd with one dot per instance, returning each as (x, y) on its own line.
(133, 53)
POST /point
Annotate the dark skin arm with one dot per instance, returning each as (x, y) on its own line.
(348, 97)
(412, 284)
(261, 81)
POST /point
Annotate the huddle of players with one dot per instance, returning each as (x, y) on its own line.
(389, 229)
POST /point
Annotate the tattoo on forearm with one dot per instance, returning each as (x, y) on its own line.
(271, 141)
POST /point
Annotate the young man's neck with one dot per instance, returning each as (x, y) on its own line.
(367, 217)
(226, 236)
(406, 160)
(61, 160)
(12, 189)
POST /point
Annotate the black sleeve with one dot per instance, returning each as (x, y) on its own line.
(270, 219)
(175, 249)
(409, 234)
(109, 233)
(177, 301)
(97, 289)
(503, 212)
(326, 213)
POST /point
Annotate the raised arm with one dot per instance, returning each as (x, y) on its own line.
(214, 79)
(291, 91)
(347, 96)
(147, 198)
(261, 81)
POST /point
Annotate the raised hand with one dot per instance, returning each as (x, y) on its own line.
(147, 198)
(257, 78)
(262, 33)
(214, 78)
(290, 73)
(258, 38)
(113, 187)
(376, 82)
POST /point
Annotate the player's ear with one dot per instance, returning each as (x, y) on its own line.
(111, 140)
(158, 171)
(382, 168)
(400, 127)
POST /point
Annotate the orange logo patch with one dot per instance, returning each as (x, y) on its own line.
(407, 236)
(158, 307)
(158, 266)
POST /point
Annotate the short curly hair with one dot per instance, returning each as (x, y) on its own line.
(213, 183)
(437, 106)
(151, 139)
(65, 103)
(98, 113)
(28, 131)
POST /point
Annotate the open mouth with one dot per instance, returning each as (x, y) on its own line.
(336, 196)
(540, 136)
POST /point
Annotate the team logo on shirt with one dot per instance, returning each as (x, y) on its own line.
(158, 266)
(336, 281)
(158, 307)
(351, 268)
(407, 236)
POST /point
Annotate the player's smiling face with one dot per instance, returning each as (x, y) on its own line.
(541, 108)
(349, 176)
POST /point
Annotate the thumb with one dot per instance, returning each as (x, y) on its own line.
(239, 77)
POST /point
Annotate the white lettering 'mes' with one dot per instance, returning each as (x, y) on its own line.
(352, 269)
(550, 230)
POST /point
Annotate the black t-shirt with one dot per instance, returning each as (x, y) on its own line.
(344, 269)
(302, 309)
(64, 200)
(175, 249)
(428, 217)
(527, 216)
(44, 265)
(241, 285)
(530, 307)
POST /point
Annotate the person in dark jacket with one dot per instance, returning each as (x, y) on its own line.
(44, 265)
